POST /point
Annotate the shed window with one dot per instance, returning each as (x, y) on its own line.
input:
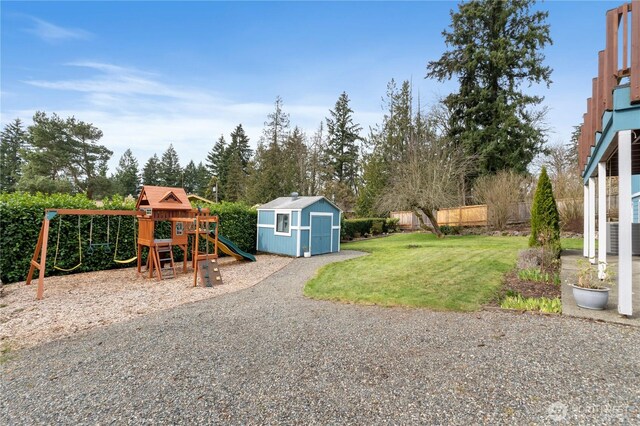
(282, 223)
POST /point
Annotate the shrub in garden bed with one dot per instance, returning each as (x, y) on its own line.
(541, 304)
(354, 228)
(534, 283)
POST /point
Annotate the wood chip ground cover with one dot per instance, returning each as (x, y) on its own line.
(79, 302)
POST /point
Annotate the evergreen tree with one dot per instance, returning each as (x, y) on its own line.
(232, 180)
(13, 141)
(495, 49)
(397, 125)
(294, 163)
(169, 170)
(66, 150)
(234, 186)
(203, 178)
(126, 179)
(267, 183)
(276, 128)
(190, 178)
(391, 145)
(545, 219)
(342, 150)
(240, 143)
(150, 171)
(215, 157)
(375, 178)
(316, 166)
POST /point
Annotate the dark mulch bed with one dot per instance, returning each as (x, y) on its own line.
(529, 288)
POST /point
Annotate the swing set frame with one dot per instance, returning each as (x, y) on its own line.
(39, 259)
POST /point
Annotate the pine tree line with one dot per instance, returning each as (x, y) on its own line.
(63, 155)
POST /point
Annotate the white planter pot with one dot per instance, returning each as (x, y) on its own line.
(307, 254)
(591, 298)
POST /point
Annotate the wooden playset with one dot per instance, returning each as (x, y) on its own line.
(155, 204)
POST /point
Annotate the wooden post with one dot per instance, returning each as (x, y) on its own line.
(41, 252)
(625, 263)
(635, 52)
(36, 254)
(43, 259)
(195, 253)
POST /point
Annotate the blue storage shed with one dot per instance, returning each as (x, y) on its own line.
(295, 225)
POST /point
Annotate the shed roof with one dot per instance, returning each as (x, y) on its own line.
(294, 203)
(163, 198)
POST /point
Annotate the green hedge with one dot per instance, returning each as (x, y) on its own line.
(21, 218)
(353, 228)
(20, 221)
(238, 222)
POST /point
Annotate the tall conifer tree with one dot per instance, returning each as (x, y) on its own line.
(496, 48)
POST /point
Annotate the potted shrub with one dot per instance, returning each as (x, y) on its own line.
(591, 291)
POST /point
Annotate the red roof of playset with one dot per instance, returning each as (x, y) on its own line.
(163, 198)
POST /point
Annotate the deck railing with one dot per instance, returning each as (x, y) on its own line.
(615, 63)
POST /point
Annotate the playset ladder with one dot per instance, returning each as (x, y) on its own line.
(163, 256)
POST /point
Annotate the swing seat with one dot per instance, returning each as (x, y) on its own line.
(124, 261)
(67, 269)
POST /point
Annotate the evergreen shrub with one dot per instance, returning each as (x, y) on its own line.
(545, 219)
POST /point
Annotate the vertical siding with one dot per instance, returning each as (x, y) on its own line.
(320, 207)
(270, 243)
(266, 217)
(304, 242)
(294, 218)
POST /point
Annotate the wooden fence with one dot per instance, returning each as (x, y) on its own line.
(463, 216)
(479, 215)
(408, 221)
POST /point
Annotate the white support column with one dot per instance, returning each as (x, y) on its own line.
(602, 219)
(592, 220)
(625, 212)
(585, 219)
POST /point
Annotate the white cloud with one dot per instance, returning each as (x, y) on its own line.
(52, 33)
(136, 109)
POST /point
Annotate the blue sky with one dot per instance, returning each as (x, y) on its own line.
(153, 73)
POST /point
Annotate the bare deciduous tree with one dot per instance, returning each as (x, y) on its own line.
(427, 181)
(501, 193)
(562, 165)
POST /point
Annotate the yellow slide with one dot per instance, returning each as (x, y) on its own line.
(223, 248)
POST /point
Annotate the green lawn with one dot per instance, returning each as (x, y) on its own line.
(572, 243)
(454, 273)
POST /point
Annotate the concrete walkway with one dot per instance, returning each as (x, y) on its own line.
(568, 275)
(267, 355)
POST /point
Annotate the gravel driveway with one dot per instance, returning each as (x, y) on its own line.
(268, 355)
